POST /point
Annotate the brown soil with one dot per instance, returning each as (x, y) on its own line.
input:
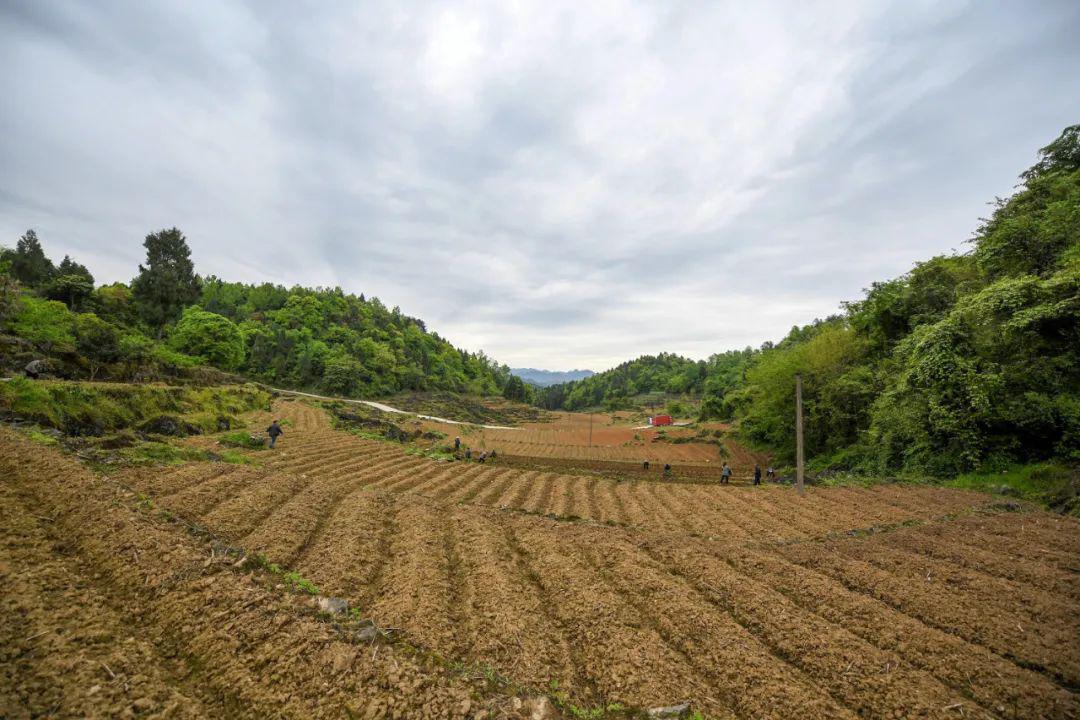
(748, 602)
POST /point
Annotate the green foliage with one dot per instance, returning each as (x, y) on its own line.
(967, 362)
(116, 304)
(836, 391)
(341, 344)
(323, 340)
(210, 336)
(46, 323)
(665, 373)
(167, 283)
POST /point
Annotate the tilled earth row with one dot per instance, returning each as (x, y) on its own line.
(884, 602)
(111, 609)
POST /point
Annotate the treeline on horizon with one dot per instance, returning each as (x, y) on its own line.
(168, 322)
(969, 361)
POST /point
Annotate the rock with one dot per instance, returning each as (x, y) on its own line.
(1006, 490)
(224, 423)
(332, 605)
(168, 425)
(670, 712)
(368, 634)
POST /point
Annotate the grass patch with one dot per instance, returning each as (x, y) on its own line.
(235, 457)
(94, 409)
(1051, 484)
(294, 579)
(35, 435)
(159, 453)
(242, 440)
(434, 453)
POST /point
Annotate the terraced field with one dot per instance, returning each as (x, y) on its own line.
(603, 438)
(748, 602)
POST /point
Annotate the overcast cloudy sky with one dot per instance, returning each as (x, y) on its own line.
(560, 184)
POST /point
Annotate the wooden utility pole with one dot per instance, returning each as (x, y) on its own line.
(799, 467)
(590, 429)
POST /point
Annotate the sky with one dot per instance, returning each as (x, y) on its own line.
(560, 184)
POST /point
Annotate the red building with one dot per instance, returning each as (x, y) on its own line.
(658, 420)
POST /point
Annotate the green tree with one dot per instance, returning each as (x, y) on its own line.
(515, 389)
(71, 289)
(97, 341)
(29, 265)
(208, 335)
(116, 304)
(167, 283)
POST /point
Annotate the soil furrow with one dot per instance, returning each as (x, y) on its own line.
(939, 608)
(987, 678)
(867, 679)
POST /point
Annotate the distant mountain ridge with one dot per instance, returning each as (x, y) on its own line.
(546, 378)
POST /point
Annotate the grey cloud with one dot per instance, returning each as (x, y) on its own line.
(559, 184)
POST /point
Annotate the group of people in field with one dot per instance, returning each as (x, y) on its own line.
(726, 472)
(483, 457)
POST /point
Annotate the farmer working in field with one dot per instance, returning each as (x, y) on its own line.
(725, 474)
(757, 474)
(274, 431)
(36, 368)
(457, 443)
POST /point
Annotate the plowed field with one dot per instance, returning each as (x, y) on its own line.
(602, 437)
(748, 602)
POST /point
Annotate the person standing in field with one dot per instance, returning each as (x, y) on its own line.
(468, 453)
(457, 443)
(770, 474)
(274, 431)
(725, 474)
(757, 474)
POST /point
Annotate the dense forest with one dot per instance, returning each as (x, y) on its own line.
(168, 322)
(967, 361)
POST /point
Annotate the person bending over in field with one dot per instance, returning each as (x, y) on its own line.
(770, 474)
(483, 457)
(725, 474)
(274, 431)
(667, 468)
(35, 369)
(757, 474)
(645, 465)
(468, 453)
